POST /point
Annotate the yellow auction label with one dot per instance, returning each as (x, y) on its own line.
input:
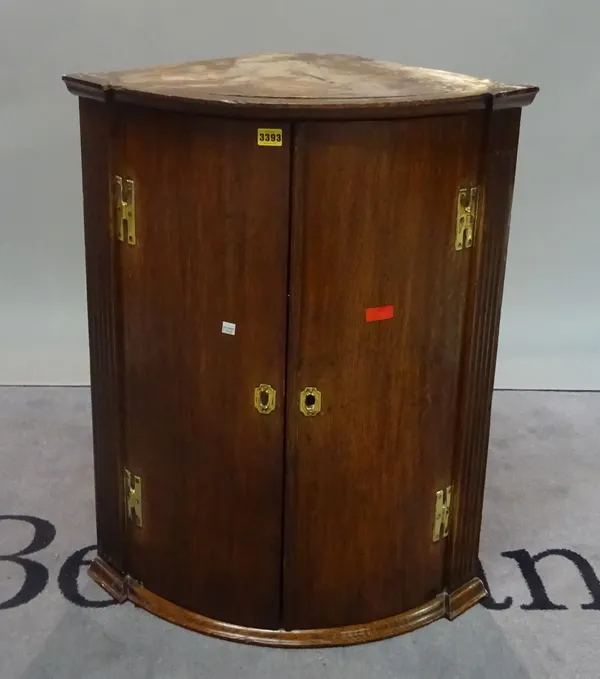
(268, 136)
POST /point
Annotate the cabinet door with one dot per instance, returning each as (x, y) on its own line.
(211, 247)
(373, 226)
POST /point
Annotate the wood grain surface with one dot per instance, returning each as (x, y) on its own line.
(481, 345)
(104, 323)
(212, 244)
(373, 224)
(449, 605)
(297, 84)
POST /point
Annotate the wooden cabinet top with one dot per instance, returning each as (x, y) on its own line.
(300, 86)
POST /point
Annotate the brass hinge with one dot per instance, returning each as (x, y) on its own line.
(466, 216)
(125, 208)
(441, 523)
(133, 497)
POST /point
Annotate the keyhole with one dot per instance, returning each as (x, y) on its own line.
(263, 398)
(310, 401)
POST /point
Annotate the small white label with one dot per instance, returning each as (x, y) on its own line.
(228, 328)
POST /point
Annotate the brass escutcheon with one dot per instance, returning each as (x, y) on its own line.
(265, 398)
(310, 401)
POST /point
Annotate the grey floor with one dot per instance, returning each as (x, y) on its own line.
(542, 494)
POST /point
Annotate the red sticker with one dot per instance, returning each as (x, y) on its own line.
(380, 313)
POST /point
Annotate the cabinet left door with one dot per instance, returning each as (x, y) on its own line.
(204, 304)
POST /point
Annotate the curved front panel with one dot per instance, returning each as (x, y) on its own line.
(378, 295)
(204, 303)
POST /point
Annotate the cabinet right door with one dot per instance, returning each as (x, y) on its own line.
(377, 308)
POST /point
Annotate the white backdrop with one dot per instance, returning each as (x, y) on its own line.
(550, 334)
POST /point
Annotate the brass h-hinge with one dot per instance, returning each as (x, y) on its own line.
(441, 523)
(133, 497)
(466, 217)
(125, 209)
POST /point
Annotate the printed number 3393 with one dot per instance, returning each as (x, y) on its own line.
(270, 137)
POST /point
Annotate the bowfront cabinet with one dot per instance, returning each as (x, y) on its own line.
(294, 270)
